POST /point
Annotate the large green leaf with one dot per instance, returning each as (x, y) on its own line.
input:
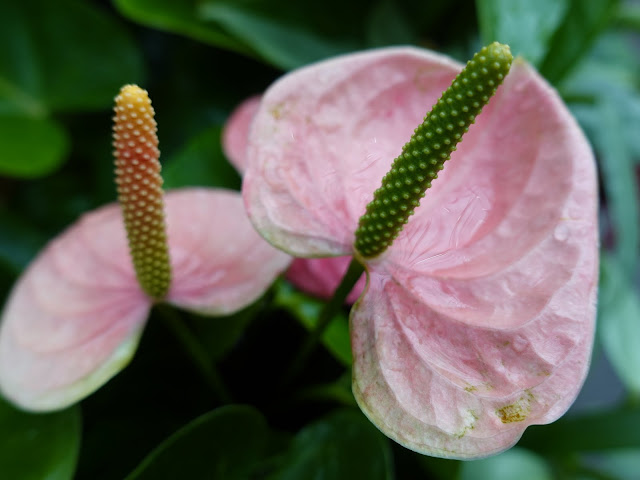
(582, 24)
(38, 446)
(179, 17)
(225, 443)
(342, 446)
(31, 147)
(515, 463)
(619, 322)
(306, 310)
(61, 56)
(55, 56)
(525, 25)
(284, 33)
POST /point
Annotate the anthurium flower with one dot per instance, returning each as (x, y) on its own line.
(75, 316)
(478, 320)
(317, 276)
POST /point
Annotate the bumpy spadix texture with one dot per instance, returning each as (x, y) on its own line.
(431, 144)
(140, 188)
(478, 320)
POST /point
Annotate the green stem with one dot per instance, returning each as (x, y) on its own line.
(327, 314)
(196, 353)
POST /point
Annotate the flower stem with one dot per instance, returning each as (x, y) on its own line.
(327, 314)
(196, 353)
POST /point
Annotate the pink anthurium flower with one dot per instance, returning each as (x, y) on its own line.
(478, 320)
(317, 276)
(75, 316)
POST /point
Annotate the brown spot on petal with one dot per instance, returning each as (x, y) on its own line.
(516, 412)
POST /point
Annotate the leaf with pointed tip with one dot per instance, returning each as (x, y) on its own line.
(224, 443)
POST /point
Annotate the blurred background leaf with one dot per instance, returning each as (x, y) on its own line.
(604, 94)
(582, 23)
(62, 63)
(619, 323)
(38, 446)
(55, 58)
(225, 443)
(22, 155)
(516, 463)
(342, 446)
(596, 431)
(526, 26)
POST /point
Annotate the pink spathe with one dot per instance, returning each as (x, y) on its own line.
(478, 321)
(75, 316)
(318, 276)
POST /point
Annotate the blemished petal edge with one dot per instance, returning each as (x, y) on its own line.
(427, 404)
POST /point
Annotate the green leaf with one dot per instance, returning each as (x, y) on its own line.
(618, 172)
(56, 56)
(31, 147)
(61, 56)
(179, 17)
(225, 443)
(388, 25)
(608, 430)
(605, 99)
(38, 446)
(610, 73)
(283, 33)
(619, 322)
(286, 42)
(343, 445)
(525, 25)
(307, 309)
(515, 463)
(582, 24)
(201, 163)
(620, 464)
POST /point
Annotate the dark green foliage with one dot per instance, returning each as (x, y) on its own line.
(60, 66)
(430, 146)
